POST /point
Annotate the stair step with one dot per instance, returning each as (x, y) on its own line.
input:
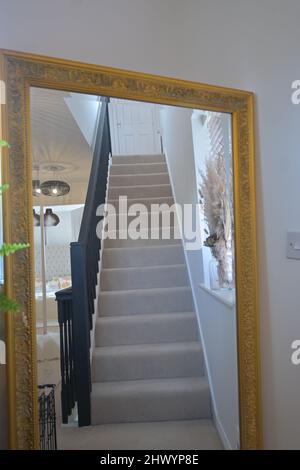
(152, 203)
(136, 233)
(142, 301)
(144, 277)
(137, 168)
(149, 328)
(140, 242)
(152, 219)
(150, 191)
(147, 361)
(139, 179)
(143, 256)
(125, 159)
(150, 400)
(200, 434)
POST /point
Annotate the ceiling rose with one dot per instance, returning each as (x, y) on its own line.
(61, 167)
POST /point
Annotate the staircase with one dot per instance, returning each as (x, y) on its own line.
(147, 364)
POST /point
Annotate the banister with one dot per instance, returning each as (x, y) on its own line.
(98, 164)
(76, 304)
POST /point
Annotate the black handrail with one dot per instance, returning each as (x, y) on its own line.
(76, 304)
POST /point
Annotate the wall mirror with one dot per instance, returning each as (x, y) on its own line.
(182, 142)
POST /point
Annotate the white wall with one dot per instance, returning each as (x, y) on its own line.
(61, 234)
(76, 217)
(85, 109)
(217, 321)
(238, 43)
(176, 128)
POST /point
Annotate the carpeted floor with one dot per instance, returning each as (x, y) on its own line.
(170, 435)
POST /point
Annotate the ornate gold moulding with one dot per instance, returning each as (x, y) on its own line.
(20, 71)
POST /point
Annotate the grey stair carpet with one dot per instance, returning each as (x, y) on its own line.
(147, 202)
(150, 400)
(148, 362)
(165, 435)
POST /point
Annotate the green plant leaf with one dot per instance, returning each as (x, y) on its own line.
(7, 304)
(8, 248)
(3, 187)
(3, 143)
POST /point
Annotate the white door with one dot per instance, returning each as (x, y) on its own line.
(134, 128)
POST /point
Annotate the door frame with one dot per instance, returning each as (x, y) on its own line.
(20, 71)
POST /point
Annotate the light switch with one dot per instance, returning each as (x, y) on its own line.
(293, 245)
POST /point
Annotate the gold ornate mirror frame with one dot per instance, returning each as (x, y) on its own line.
(20, 71)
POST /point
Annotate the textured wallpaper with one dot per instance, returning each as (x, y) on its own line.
(57, 261)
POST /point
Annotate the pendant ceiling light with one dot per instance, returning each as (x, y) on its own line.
(50, 219)
(36, 219)
(36, 188)
(55, 187)
(36, 183)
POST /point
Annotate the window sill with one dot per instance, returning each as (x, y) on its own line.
(226, 297)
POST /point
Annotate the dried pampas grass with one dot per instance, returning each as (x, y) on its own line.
(217, 212)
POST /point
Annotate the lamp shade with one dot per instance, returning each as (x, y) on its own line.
(55, 188)
(36, 219)
(50, 219)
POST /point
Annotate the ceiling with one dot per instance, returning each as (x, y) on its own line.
(58, 140)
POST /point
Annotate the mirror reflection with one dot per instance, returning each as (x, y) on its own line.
(134, 274)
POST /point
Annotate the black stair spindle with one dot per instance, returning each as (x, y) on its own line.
(76, 304)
